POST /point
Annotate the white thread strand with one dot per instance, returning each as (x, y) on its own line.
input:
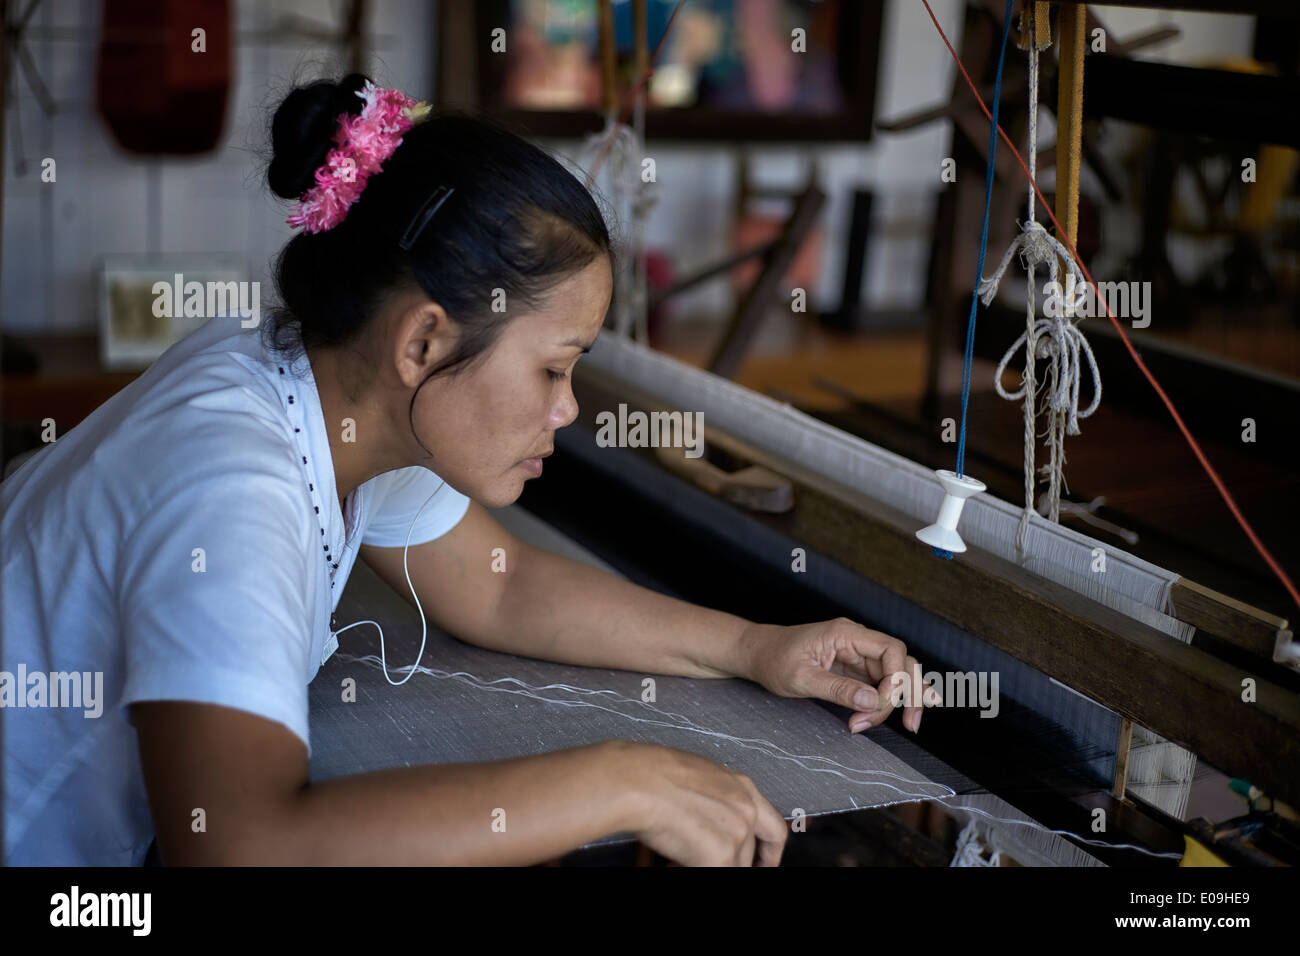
(424, 624)
(1030, 404)
(767, 747)
(759, 744)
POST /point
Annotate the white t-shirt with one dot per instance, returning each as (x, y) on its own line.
(184, 542)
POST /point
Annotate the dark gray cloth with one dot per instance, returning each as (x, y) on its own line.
(431, 720)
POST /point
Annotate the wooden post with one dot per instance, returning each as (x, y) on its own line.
(1069, 117)
(1042, 25)
(608, 59)
(1035, 21)
(1121, 758)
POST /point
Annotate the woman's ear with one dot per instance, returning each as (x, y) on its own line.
(425, 337)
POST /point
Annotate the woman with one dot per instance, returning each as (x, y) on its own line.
(188, 542)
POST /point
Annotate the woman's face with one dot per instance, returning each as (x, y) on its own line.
(488, 427)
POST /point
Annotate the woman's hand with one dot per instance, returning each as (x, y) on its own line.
(842, 662)
(694, 811)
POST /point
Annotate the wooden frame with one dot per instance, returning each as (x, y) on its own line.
(1179, 691)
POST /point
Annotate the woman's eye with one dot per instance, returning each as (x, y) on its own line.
(556, 376)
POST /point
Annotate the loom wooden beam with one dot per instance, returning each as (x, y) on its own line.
(1122, 750)
(1231, 106)
(1256, 631)
(1180, 692)
(1247, 627)
(1177, 690)
(1035, 19)
(1069, 119)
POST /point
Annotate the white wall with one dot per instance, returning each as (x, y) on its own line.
(106, 201)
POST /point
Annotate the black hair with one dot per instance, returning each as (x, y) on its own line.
(518, 221)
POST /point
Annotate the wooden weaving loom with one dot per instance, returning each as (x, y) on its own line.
(1107, 695)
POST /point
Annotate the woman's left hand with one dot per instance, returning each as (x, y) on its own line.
(842, 662)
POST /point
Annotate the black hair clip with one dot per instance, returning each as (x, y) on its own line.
(426, 213)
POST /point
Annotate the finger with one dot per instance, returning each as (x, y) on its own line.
(860, 720)
(770, 828)
(912, 713)
(745, 852)
(838, 689)
(933, 696)
(879, 653)
(900, 687)
(769, 851)
(887, 693)
(893, 655)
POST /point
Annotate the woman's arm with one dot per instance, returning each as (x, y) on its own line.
(546, 606)
(550, 607)
(249, 777)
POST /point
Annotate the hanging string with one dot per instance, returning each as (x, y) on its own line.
(969, 355)
(1029, 388)
(1133, 353)
(1057, 338)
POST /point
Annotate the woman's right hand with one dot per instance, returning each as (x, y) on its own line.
(252, 778)
(697, 812)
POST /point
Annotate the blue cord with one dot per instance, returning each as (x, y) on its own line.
(984, 242)
(979, 268)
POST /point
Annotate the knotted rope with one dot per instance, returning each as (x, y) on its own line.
(1056, 339)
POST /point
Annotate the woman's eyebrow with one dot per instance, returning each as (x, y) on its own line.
(577, 344)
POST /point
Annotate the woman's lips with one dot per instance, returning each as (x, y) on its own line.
(534, 464)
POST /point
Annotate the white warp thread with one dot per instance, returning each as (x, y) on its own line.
(680, 722)
(1130, 585)
(970, 849)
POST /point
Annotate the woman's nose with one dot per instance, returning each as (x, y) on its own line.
(565, 410)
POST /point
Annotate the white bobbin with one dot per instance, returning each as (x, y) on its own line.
(943, 533)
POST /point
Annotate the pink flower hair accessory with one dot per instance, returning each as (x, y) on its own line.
(365, 142)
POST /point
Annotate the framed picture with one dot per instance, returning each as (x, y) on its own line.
(148, 303)
(775, 70)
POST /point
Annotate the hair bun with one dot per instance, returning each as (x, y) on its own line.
(302, 131)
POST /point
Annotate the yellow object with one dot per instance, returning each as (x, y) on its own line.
(419, 112)
(1195, 854)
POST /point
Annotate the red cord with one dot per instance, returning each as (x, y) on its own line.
(1178, 420)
